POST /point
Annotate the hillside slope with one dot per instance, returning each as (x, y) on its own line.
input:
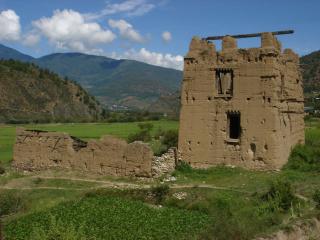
(310, 65)
(28, 93)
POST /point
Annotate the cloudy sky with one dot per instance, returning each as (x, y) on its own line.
(154, 31)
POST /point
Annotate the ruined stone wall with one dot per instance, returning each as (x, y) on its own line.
(36, 150)
(166, 163)
(259, 88)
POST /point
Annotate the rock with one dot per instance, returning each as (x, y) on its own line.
(180, 195)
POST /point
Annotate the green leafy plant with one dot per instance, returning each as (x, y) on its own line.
(144, 133)
(280, 196)
(316, 198)
(160, 192)
(2, 170)
(184, 167)
(10, 202)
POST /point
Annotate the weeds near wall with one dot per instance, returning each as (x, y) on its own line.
(316, 198)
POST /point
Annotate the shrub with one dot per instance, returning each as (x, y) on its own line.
(160, 192)
(316, 198)
(170, 138)
(2, 170)
(167, 139)
(184, 167)
(280, 196)
(143, 134)
(10, 202)
(304, 158)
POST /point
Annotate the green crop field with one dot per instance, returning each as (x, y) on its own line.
(102, 217)
(84, 131)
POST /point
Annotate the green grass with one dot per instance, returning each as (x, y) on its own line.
(232, 207)
(84, 131)
(103, 217)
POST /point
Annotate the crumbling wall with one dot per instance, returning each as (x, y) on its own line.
(38, 150)
(166, 163)
(240, 107)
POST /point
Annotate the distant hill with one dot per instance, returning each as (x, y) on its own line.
(29, 93)
(121, 83)
(10, 53)
(168, 104)
(310, 65)
(115, 82)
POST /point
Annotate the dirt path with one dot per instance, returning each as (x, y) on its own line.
(20, 184)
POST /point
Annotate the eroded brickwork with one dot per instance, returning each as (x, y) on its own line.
(241, 107)
(37, 150)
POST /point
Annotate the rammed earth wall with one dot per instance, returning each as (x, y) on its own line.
(240, 107)
(37, 150)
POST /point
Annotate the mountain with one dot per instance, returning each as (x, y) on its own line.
(10, 53)
(116, 83)
(310, 65)
(29, 93)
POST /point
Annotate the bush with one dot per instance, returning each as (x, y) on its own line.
(160, 192)
(316, 198)
(184, 167)
(166, 139)
(304, 158)
(170, 138)
(10, 202)
(2, 170)
(143, 135)
(280, 196)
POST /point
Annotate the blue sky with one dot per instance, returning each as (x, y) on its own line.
(153, 31)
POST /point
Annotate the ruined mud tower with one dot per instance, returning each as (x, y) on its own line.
(241, 107)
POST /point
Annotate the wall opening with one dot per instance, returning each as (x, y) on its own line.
(224, 81)
(234, 125)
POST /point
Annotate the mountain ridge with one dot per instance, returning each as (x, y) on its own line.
(120, 83)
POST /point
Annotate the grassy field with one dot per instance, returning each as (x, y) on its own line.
(218, 203)
(84, 131)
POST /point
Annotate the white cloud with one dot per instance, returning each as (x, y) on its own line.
(10, 26)
(155, 58)
(166, 36)
(130, 7)
(31, 39)
(126, 30)
(69, 30)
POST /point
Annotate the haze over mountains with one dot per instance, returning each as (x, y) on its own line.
(117, 83)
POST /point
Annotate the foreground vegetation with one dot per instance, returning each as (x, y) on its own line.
(99, 217)
(218, 203)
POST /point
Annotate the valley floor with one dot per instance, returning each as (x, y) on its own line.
(217, 203)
